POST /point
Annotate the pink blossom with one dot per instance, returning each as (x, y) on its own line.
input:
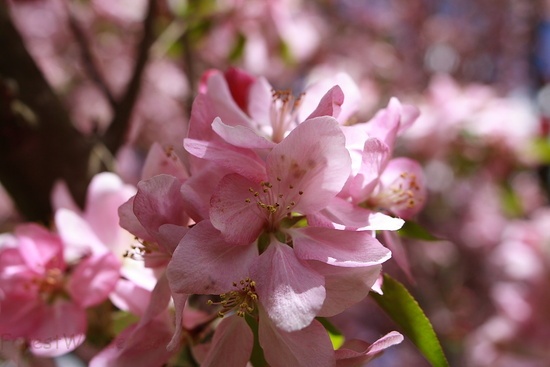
(300, 174)
(156, 215)
(250, 232)
(401, 189)
(96, 229)
(233, 340)
(44, 297)
(268, 113)
(320, 83)
(371, 146)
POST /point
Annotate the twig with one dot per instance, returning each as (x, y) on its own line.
(114, 136)
(88, 59)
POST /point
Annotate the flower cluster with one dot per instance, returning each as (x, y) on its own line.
(267, 228)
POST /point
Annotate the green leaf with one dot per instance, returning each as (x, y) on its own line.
(286, 53)
(334, 334)
(401, 306)
(511, 202)
(238, 48)
(416, 231)
(540, 148)
(121, 320)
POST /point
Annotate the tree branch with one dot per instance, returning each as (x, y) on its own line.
(88, 59)
(115, 134)
(38, 143)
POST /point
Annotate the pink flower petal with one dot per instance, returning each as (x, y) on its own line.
(204, 263)
(231, 345)
(202, 115)
(385, 124)
(399, 253)
(260, 102)
(382, 222)
(61, 197)
(239, 83)
(129, 221)
(319, 88)
(159, 201)
(309, 346)
(61, 330)
(403, 187)
(78, 237)
(160, 298)
(234, 210)
(39, 247)
(20, 314)
(163, 161)
(137, 346)
(409, 114)
(356, 353)
(338, 247)
(330, 104)
(198, 189)
(241, 136)
(93, 279)
(130, 297)
(342, 214)
(179, 305)
(375, 156)
(222, 101)
(169, 236)
(239, 160)
(391, 338)
(313, 160)
(291, 292)
(345, 286)
(105, 194)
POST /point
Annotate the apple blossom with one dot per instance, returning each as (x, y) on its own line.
(44, 297)
(250, 232)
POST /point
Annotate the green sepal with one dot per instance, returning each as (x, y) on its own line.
(415, 231)
(335, 335)
(257, 357)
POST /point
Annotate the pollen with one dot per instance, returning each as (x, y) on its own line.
(402, 194)
(141, 249)
(242, 300)
(170, 152)
(274, 201)
(49, 285)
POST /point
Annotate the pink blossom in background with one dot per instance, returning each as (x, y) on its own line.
(44, 297)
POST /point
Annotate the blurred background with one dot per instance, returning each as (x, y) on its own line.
(89, 85)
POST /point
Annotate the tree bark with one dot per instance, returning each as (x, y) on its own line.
(38, 143)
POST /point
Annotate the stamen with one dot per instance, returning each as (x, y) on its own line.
(170, 153)
(283, 113)
(49, 285)
(140, 250)
(401, 195)
(242, 301)
(270, 200)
